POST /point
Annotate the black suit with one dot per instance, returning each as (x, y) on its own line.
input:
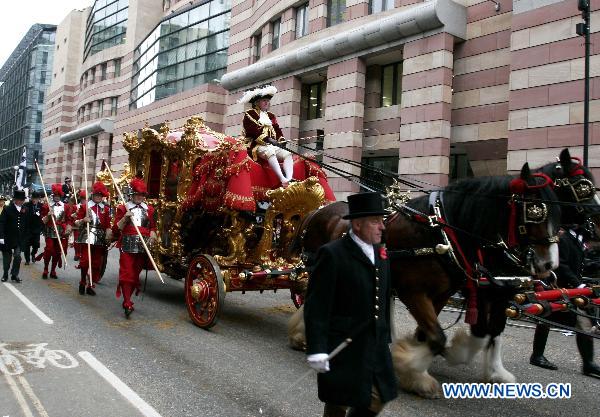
(35, 229)
(348, 294)
(14, 229)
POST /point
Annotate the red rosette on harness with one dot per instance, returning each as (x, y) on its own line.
(578, 168)
(518, 187)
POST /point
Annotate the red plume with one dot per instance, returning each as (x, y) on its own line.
(57, 190)
(138, 186)
(99, 188)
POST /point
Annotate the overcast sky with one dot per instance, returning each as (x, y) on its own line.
(19, 15)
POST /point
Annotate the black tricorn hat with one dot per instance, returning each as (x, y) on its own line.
(365, 205)
(19, 195)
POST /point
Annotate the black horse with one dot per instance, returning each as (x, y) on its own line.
(482, 219)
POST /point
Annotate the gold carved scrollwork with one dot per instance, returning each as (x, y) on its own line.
(296, 200)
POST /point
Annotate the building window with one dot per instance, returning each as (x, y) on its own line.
(106, 26)
(376, 6)
(313, 101)
(41, 97)
(185, 50)
(93, 76)
(103, 71)
(101, 108)
(36, 136)
(302, 21)
(113, 106)
(166, 5)
(44, 57)
(117, 67)
(460, 167)
(276, 34)
(38, 118)
(336, 12)
(43, 77)
(257, 47)
(391, 84)
(374, 179)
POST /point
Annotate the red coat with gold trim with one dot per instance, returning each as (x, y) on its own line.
(258, 133)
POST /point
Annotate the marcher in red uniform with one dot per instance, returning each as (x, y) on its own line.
(77, 246)
(133, 257)
(62, 216)
(98, 218)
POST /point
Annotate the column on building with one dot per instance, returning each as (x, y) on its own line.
(317, 15)
(356, 9)
(344, 115)
(426, 108)
(288, 29)
(286, 106)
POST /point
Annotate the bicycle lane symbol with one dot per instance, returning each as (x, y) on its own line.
(15, 361)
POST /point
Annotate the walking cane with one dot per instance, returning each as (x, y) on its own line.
(87, 208)
(62, 252)
(134, 225)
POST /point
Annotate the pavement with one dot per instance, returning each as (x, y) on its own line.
(79, 356)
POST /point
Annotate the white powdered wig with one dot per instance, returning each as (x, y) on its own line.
(268, 90)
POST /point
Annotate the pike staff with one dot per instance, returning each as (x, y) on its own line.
(134, 225)
(62, 252)
(87, 210)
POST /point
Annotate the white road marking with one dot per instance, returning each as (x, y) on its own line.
(34, 399)
(29, 304)
(18, 395)
(146, 409)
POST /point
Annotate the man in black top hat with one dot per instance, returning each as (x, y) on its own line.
(349, 297)
(14, 230)
(32, 243)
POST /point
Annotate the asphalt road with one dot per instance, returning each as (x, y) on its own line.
(159, 362)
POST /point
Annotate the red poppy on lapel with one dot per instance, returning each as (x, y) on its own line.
(383, 253)
(23, 210)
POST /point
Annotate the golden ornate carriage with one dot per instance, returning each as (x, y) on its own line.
(203, 236)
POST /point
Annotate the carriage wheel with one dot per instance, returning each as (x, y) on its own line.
(204, 291)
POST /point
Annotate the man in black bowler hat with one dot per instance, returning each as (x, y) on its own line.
(14, 230)
(349, 297)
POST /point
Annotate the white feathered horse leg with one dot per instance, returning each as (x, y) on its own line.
(296, 330)
(493, 369)
(411, 360)
(463, 347)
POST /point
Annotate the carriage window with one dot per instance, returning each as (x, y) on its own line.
(154, 174)
(165, 228)
(172, 180)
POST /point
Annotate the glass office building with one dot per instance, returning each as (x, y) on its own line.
(185, 50)
(106, 26)
(24, 79)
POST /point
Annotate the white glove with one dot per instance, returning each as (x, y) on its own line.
(581, 286)
(1, 241)
(319, 362)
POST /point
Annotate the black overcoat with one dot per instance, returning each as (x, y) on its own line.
(14, 226)
(348, 294)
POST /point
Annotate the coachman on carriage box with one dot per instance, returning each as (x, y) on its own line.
(349, 297)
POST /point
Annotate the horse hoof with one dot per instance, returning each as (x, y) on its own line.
(421, 384)
(502, 377)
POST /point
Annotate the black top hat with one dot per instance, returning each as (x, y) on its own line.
(37, 194)
(365, 205)
(18, 195)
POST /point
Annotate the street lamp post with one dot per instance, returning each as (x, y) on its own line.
(583, 29)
